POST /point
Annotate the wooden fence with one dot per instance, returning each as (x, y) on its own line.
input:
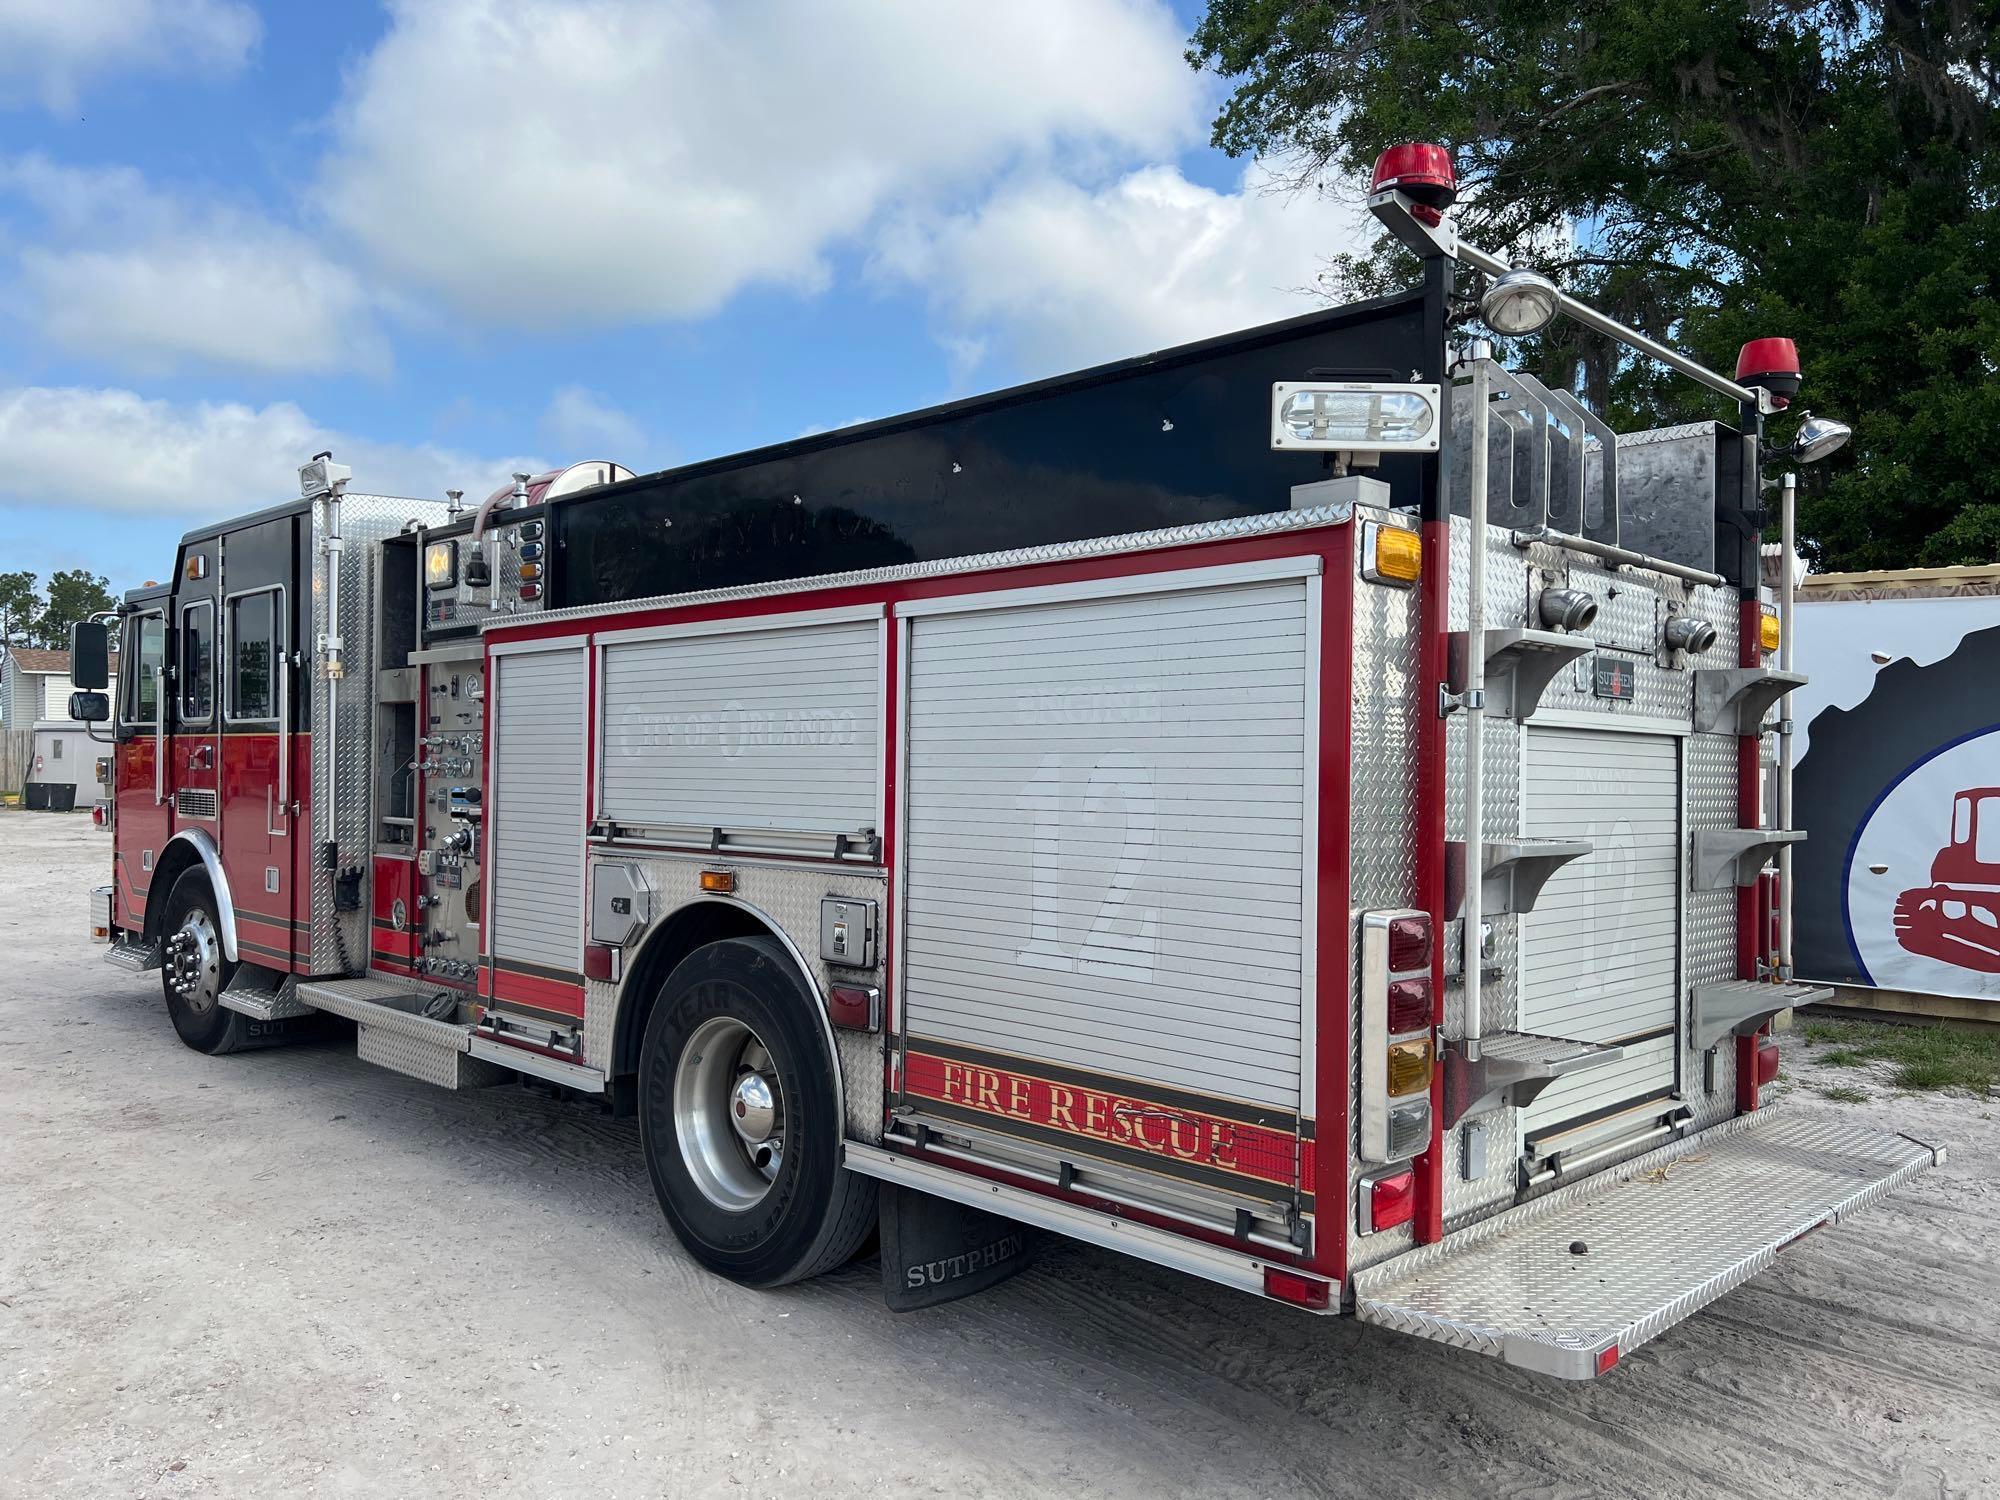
(17, 753)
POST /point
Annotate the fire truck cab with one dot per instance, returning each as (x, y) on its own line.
(1286, 807)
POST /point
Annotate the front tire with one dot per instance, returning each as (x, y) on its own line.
(193, 971)
(740, 1116)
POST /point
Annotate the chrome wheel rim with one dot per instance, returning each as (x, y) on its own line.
(193, 963)
(729, 1114)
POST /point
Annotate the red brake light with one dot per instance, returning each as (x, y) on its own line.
(1302, 1291)
(1767, 1064)
(1390, 1200)
(1420, 171)
(855, 1007)
(1409, 944)
(1409, 1006)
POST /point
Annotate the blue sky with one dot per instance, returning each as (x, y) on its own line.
(448, 237)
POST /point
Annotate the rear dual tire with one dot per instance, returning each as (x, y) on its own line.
(739, 1113)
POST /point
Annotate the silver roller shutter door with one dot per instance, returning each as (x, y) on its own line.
(745, 729)
(1105, 835)
(537, 807)
(1600, 951)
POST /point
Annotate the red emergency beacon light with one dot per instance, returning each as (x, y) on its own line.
(1773, 364)
(1422, 173)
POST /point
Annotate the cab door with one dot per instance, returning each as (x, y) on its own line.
(193, 752)
(138, 776)
(255, 782)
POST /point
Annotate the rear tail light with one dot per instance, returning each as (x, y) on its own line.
(1409, 1067)
(855, 1007)
(600, 962)
(100, 816)
(1409, 1128)
(1397, 1010)
(1388, 1200)
(1409, 944)
(1301, 1291)
(1767, 1064)
(1409, 1006)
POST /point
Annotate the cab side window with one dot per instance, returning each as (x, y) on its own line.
(196, 662)
(253, 652)
(144, 656)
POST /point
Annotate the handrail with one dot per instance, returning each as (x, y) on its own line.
(1622, 555)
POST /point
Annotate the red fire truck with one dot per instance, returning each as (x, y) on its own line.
(1285, 807)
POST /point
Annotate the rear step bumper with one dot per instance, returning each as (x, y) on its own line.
(1662, 1236)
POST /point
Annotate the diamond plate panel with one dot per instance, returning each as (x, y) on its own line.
(1633, 605)
(787, 896)
(1664, 1235)
(447, 1067)
(1382, 848)
(340, 940)
(264, 1002)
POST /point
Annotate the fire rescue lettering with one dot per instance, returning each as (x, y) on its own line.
(1174, 1135)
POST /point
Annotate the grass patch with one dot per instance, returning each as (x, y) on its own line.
(1842, 1093)
(1923, 1057)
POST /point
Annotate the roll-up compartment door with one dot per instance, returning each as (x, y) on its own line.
(536, 807)
(1600, 953)
(1106, 875)
(774, 728)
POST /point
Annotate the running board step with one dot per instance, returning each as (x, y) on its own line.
(253, 992)
(137, 957)
(1742, 1005)
(1725, 857)
(1512, 1068)
(1569, 1282)
(1519, 665)
(406, 1030)
(1515, 872)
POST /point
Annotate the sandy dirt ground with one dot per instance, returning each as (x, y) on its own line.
(290, 1273)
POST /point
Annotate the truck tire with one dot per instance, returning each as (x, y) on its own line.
(740, 1117)
(194, 972)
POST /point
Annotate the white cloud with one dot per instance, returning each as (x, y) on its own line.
(148, 280)
(1064, 276)
(50, 48)
(537, 161)
(586, 425)
(113, 451)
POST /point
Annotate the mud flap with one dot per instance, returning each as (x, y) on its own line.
(277, 1033)
(936, 1251)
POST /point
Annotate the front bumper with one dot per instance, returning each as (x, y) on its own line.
(1566, 1284)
